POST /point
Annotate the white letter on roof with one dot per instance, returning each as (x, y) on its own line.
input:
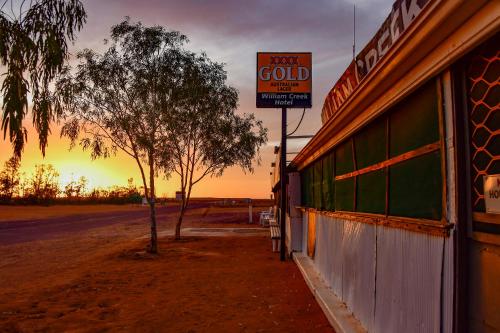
(409, 13)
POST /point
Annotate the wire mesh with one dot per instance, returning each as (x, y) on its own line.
(483, 80)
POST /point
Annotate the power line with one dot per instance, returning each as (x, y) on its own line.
(300, 122)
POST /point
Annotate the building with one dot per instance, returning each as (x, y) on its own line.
(386, 201)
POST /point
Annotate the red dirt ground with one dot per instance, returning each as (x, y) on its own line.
(100, 280)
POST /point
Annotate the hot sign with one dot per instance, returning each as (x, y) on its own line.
(284, 80)
(492, 193)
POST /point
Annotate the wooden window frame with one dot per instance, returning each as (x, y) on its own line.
(439, 227)
(392, 161)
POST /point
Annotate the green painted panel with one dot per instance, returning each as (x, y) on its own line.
(318, 180)
(415, 187)
(370, 197)
(306, 187)
(371, 144)
(328, 182)
(344, 194)
(343, 158)
(303, 188)
(414, 122)
(309, 187)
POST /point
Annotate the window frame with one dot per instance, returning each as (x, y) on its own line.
(429, 226)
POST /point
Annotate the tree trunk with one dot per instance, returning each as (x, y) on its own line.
(179, 223)
(153, 248)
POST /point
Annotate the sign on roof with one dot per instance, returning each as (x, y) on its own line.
(284, 80)
(402, 14)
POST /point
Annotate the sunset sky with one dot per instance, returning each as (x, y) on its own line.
(230, 31)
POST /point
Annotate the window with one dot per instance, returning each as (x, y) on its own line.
(390, 167)
(371, 148)
(415, 187)
(414, 122)
(328, 182)
(344, 161)
(371, 192)
(344, 194)
(371, 144)
(415, 184)
(344, 189)
(317, 183)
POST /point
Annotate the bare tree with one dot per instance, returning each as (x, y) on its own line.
(205, 135)
(115, 101)
(33, 49)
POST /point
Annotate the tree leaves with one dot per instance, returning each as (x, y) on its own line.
(161, 104)
(33, 48)
(204, 120)
(15, 107)
(204, 135)
(9, 179)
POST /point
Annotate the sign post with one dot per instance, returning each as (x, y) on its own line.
(284, 80)
(283, 182)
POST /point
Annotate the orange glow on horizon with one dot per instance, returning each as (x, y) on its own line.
(116, 170)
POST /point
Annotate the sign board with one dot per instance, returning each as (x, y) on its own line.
(284, 79)
(403, 13)
(492, 193)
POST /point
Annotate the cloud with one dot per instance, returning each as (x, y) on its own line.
(320, 24)
(232, 31)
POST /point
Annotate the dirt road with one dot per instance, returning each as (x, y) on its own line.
(19, 231)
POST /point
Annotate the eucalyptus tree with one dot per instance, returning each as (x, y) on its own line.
(10, 179)
(43, 186)
(115, 100)
(205, 135)
(33, 48)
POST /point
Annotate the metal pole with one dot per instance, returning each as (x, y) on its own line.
(283, 184)
(354, 35)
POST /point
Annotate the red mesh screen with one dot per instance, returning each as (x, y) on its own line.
(483, 87)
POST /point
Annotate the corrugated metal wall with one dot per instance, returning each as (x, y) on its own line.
(409, 267)
(304, 233)
(448, 288)
(393, 280)
(294, 218)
